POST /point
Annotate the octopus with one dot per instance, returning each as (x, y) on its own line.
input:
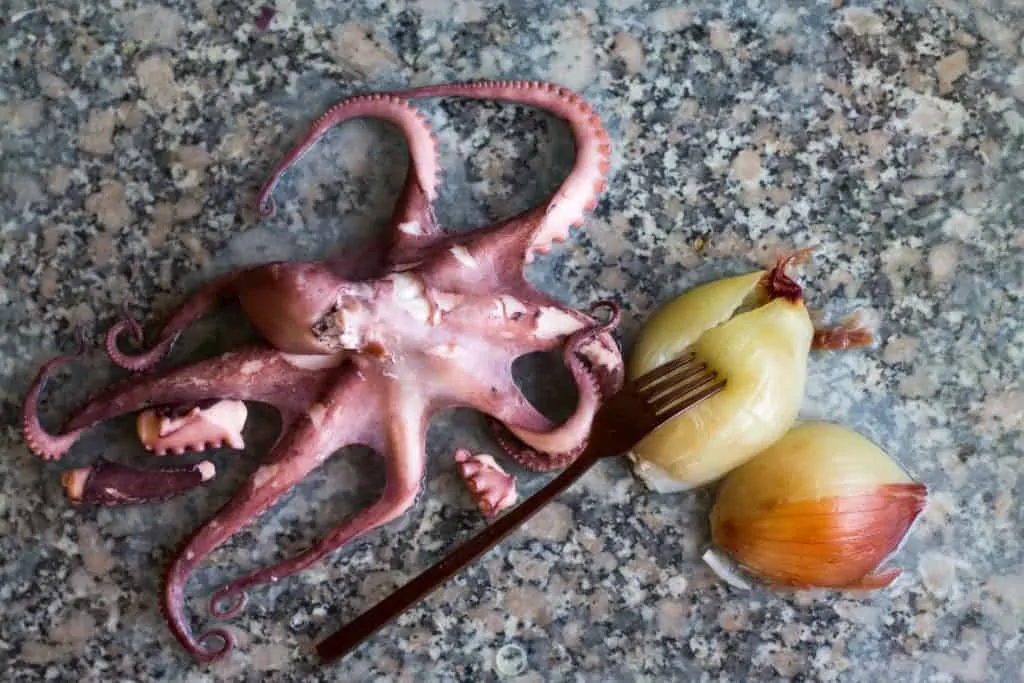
(360, 349)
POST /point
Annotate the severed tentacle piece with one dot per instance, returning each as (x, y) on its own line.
(492, 488)
(109, 483)
(196, 426)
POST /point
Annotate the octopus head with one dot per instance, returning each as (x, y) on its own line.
(282, 300)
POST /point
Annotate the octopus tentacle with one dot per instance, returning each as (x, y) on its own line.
(413, 228)
(257, 374)
(45, 445)
(198, 305)
(422, 146)
(413, 225)
(341, 416)
(505, 403)
(553, 449)
(599, 348)
(557, 447)
(261, 491)
(405, 467)
(606, 364)
(579, 191)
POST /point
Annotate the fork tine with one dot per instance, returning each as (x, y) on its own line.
(693, 400)
(681, 393)
(671, 392)
(659, 373)
(669, 383)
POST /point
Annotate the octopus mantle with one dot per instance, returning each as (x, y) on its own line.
(361, 349)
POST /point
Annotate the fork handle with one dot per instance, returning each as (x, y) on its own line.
(350, 636)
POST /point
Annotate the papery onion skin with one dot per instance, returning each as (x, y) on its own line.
(762, 354)
(823, 507)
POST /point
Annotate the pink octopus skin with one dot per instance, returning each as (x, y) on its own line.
(492, 488)
(194, 427)
(366, 347)
(110, 483)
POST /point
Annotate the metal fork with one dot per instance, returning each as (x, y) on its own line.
(623, 420)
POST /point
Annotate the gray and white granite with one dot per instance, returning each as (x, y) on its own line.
(890, 136)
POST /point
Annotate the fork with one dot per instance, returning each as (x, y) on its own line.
(639, 408)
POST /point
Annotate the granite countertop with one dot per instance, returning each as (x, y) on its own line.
(889, 136)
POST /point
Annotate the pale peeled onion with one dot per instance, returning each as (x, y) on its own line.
(762, 354)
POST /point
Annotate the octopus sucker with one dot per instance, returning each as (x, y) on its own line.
(492, 488)
(554, 448)
(360, 349)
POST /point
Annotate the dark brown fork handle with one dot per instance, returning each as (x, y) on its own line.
(365, 625)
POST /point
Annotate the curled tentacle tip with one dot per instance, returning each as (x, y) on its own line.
(266, 207)
(128, 322)
(135, 363)
(227, 602)
(110, 338)
(207, 654)
(125, 324)
(491, 487)
(612, 314)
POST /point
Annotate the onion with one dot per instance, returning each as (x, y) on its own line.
(822, 507)
(755, 331)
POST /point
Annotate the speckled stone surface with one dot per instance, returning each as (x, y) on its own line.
(888, 136)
